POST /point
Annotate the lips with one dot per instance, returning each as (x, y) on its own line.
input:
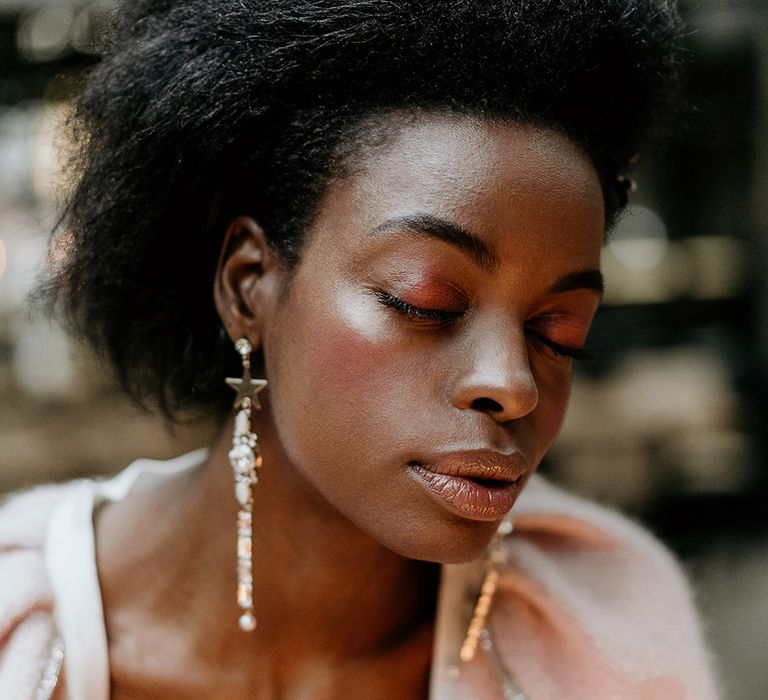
(476, 485)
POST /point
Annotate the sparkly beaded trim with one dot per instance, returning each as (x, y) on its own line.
(510, 689)
(50, 678)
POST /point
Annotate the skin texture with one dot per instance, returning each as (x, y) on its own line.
(360, 389)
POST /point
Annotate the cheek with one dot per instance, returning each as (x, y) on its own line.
(350, 350)
(334, 371)
(554, 387)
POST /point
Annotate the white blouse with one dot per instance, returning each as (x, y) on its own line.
(71, 565)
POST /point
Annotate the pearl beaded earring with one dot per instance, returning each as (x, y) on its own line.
(246, 462)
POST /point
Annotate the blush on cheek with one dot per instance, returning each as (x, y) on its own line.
(353, 348)
(561, 400)
(554, 393)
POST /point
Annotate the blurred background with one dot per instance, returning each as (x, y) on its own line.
(666, 423)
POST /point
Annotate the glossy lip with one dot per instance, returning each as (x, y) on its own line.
(477, 485)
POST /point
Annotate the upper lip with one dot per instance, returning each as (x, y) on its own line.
(479, 464)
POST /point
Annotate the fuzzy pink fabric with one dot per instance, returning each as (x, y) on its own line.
(589, 607)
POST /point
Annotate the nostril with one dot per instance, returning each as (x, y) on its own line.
(488, 405)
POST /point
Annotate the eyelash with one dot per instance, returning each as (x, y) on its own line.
(446, 318)
(416, 312)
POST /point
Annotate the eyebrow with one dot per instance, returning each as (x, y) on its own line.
(452, 233)
(591, 279)
(443, 230)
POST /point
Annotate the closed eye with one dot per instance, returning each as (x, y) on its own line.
(443, 317)
(417, 313)
(562, 351)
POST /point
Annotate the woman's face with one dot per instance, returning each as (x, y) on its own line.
(420, 361)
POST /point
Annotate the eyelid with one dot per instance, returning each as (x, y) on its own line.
(423, 289)
(576, 352)
(564, 351)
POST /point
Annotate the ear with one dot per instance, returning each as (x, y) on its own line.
(248, 281)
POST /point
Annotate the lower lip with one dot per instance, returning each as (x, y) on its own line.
(467, 498)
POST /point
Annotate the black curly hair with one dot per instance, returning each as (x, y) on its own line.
(202, 110)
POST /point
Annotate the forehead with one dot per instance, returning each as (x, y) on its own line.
(507, 182)
(424, 139)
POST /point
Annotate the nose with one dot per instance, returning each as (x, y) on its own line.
(496, 377)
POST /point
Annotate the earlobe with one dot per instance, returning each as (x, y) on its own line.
(247, 280)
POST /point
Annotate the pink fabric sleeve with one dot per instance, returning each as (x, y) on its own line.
(591, 607)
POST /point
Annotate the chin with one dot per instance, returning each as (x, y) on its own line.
(460, 542)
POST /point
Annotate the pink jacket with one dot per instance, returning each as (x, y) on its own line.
(588, 607)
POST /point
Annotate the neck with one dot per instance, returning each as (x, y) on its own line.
(313, 568)
(323, 589)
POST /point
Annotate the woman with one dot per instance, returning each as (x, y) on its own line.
(380, 224)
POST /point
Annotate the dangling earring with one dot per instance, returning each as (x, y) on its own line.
(477, 631)
(246, 462)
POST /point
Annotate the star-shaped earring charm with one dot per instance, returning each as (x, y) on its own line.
(247, 388)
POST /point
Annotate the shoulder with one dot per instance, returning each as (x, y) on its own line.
(568, 529)
(26, 614)
(607, 590)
